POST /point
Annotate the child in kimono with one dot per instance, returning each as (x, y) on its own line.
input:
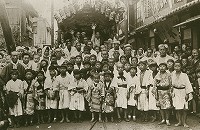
(29, 105)
(152, 93)
(127, 67)
(133, 85)
(162, 84)
(14, 89)
(63, 82)
(120, 85)
(146, 79)
(52, 94)
(108, 101)
(95, 96)
(77, 91)
(182, 93)
(39, 96)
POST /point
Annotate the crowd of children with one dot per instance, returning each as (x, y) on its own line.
(111, 82)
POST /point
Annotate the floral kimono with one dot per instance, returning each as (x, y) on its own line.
(181, 87)
(77, 92)
(95, 94)
(163, 90)
(29, 104)
(39, 95)
(108, 102)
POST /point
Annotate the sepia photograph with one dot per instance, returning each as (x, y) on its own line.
(99, 64)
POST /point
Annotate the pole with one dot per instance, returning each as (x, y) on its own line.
(10, 43)
(127, 22)
(52, 23)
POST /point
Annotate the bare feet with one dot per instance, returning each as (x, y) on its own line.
(92, 120)
(62, 120)
(162, 122)
(167, 122)
(186, 126)
(178, 124)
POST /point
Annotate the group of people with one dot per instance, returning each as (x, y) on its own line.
(108, 81)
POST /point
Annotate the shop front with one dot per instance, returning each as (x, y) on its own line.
(174, 22)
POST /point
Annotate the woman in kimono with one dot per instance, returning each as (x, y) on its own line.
(29, 104)
(182, 93)
(95, 96)
(77, 91)
(108, 101)
(146, 79)
(133, 85)
(52, 94)
(14, 89)
(152, 93)
(63, 83)
(163, 83)
(46, 54)
(39, 96)
(120, 85)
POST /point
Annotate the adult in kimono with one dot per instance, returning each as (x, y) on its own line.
(182, 93)
(26, 61)
(120, 85)
(60, 59)
(14, 64)
(69, 50)
(146, 81)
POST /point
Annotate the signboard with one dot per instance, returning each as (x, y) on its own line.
(151, 10)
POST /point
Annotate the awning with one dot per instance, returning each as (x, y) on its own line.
(176, 10)
(188, 21)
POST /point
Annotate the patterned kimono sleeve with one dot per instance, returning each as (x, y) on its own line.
(170, 83)
(102, 90)
(25, 85)
(21, 87)
(89, 93)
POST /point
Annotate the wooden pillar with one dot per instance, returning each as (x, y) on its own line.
(127, 22)
(10, 44)
(52, 23)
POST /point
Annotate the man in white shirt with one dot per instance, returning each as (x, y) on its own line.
(163, 57)
(69, 50)
(116, 46)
